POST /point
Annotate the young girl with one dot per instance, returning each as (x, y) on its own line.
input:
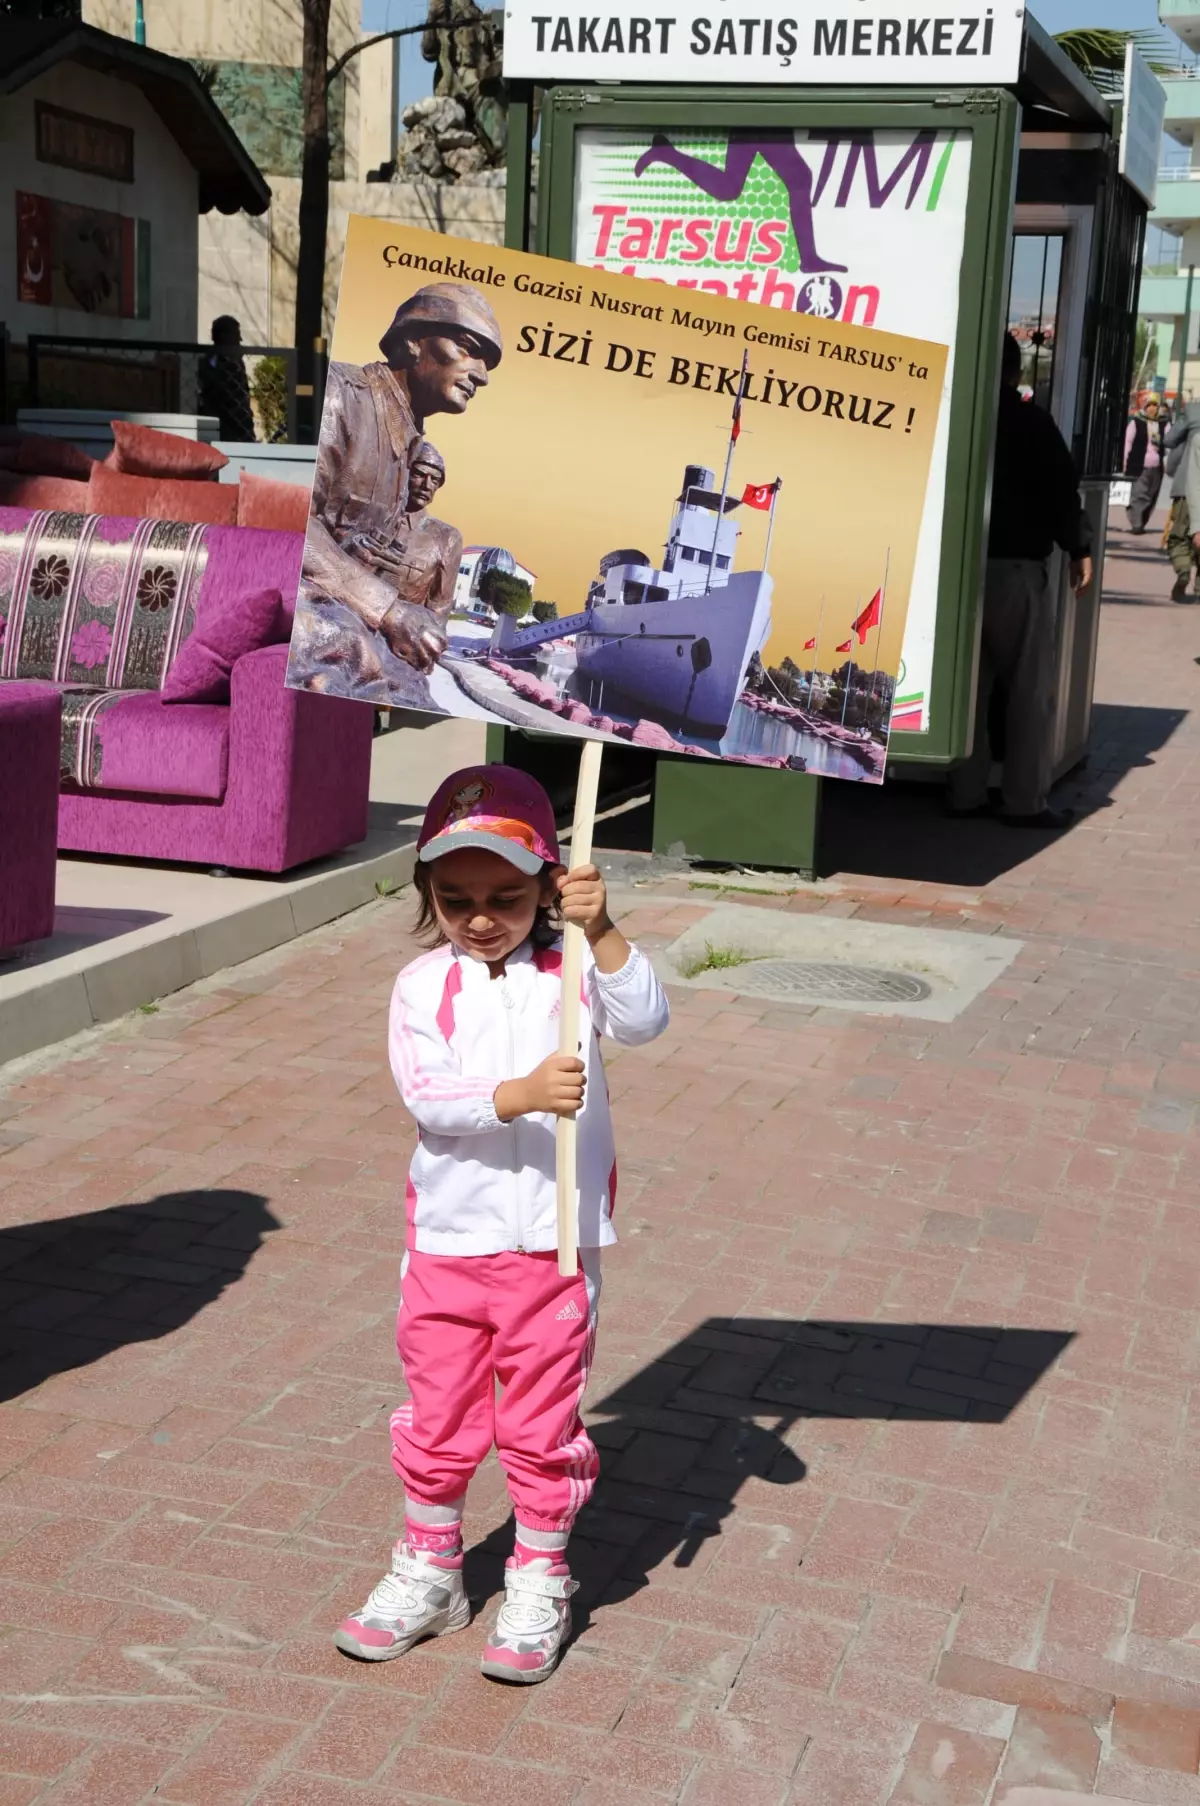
(473, 1044)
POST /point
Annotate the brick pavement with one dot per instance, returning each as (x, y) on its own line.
(894, 1385)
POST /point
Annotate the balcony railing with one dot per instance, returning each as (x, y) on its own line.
(1180, 172)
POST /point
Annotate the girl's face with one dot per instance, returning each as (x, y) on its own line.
(484, 905)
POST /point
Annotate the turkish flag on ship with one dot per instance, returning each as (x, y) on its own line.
(845, 645)
(810, 645)
(870, 617)
(759, 495)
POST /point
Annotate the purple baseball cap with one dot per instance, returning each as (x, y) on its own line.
(497, 808)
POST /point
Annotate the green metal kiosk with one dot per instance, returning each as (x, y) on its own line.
(944, 207)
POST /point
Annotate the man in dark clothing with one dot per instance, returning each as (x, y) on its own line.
(224, 390)
(1035, 506)
(1180, 547)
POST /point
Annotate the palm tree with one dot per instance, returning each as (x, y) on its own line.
(1100, 53)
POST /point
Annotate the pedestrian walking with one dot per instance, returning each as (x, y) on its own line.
(1035, 506)
(1191, 497)
(473, 1044)
(1144, 462)
(1179, 544)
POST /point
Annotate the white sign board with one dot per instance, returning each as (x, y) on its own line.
(1145, 103)
(860, 225)
(775, 41)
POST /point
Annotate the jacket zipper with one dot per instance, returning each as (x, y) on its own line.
(509, 1006)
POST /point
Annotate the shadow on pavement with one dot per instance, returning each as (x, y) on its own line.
(679, 1438)
(902, 830)
(899, 829)
(77, 1287)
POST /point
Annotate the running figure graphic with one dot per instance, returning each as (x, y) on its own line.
(820, 293)
(779, 152)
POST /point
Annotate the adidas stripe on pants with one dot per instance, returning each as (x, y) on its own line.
(468, 1321)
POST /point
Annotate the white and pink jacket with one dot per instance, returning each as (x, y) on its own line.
(477, 1185)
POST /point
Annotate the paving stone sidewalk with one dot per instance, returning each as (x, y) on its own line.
(894, 1386)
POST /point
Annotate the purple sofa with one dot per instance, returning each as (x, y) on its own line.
(100, 606)
(29, 740)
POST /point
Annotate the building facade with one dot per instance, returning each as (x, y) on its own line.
(113, 154)
(249, 54)
(477, 561)
(1173, 228)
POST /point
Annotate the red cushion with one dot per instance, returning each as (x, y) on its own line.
(59, 493)
(39, 455)
(142, 451)
(266, 502)
(161, 498)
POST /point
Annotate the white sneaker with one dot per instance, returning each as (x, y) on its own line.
(418, 1598)
(533, 1625)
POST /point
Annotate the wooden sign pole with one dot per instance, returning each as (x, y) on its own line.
(568, 1036)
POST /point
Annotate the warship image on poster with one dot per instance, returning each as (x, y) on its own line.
(684, 577)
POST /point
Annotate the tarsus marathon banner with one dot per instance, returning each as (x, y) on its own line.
(833, 223)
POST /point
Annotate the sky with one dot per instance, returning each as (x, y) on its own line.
(1055, 15)
(416, 75)
(1121, 15)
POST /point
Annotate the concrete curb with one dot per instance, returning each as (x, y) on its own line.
(44, 1004)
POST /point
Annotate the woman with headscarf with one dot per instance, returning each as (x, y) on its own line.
(1144, 462)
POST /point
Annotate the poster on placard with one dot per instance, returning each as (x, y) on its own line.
(863, 225)
(568, 500)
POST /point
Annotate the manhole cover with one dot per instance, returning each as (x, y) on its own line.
(819, 982)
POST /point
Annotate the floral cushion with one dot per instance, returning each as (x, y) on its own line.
(99, 601)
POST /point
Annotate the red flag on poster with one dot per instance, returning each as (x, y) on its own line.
(758, 495)
(810, 645)
(870, 617)
(845, 645)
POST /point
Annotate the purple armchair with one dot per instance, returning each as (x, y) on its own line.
(29, 738)
(100, 607)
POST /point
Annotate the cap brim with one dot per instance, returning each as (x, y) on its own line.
(525, 861)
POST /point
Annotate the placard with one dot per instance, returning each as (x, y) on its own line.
(573, 501)
(869, 41)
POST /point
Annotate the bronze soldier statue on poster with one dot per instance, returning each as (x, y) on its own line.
(437, 354)
(420, 555)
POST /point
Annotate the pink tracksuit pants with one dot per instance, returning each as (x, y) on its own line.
(466, 1322)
